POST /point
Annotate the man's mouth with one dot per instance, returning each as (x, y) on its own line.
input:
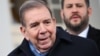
(75, 17)
(44, 40)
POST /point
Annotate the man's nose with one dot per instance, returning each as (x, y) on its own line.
(74, 9)
(42, 29)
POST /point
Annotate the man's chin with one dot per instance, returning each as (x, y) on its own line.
(45, 47)
(75, 25)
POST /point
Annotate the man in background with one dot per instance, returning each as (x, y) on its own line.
(75, 14)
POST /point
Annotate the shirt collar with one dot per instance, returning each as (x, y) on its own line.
(35, 51)
(84, 33)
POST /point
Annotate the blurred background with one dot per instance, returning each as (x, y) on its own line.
(10, 36)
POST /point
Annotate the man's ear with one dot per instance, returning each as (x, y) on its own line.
(54, 19)
(61, 14)
(89, 11)
(23, 31)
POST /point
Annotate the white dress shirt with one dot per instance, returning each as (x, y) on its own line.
(84, 33)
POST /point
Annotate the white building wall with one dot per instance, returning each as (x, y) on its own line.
(5, 27)
(95, 17)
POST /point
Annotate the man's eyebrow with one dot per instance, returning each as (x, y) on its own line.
(33, 23)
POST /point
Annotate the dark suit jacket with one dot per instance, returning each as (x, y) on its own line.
(65, 45)
(94, 34)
